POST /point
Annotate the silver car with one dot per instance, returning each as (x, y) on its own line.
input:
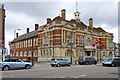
(14, 64)
(112, 61)
(60, 62)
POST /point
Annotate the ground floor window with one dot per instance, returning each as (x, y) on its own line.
(17, 54)
(76, 52)
(25, 53)
(13, 53)
(20, 53)
(30, 54)
(35, 53)
(41, 53)
(81, 53)
(50, 53)
(68, 53)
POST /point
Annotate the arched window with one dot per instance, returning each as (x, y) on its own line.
(50, 53)
(17, 54)
(88, 41)
(30, 54)
(25, 53)
(110, 53)
(76, 39)
(41, 53)
(13, 53)
(76, 52)
(44, 53)
(20, 53)
(10, 54)
(81, 40)
(35, 53)
(68, 53)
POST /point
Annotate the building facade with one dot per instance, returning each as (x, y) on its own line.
(26, 45)
(2, 26)
(64, 38)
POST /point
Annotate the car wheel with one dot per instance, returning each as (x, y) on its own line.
(68, 64)
(113, 65)
(95, 63)
(58, 65)
(6, 68)
(52, 65)
(27, 66)
(87, 63)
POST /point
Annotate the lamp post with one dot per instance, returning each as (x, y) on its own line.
(97, 53)
(15, 32)
(14, 38)
(71, 51)
(53, 44)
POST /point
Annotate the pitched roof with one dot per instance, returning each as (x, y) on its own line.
(81, 25)
(26, 36)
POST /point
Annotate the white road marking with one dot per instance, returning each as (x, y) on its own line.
(12, 75)
(83, 75)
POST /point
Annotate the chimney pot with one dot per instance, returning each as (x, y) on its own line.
(16, 35)
(48, 20)
(63, 13)
(91, 22)
(36, 26)
(27, 30)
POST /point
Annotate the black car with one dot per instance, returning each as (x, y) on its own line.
(87, 60)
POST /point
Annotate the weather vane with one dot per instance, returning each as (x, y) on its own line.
(76, 6)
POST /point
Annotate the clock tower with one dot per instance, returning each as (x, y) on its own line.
(77, 15)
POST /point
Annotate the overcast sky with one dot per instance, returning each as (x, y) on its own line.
(26, 14)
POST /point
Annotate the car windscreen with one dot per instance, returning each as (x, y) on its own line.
(81, 58)
(52, 59)
(109, 59)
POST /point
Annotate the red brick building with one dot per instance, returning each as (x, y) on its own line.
(23, 46)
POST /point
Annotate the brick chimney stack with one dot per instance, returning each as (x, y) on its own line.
(48, 20)
(16, 35)
(91, 22)
(36, 26)
(63, 14)
(27, 30)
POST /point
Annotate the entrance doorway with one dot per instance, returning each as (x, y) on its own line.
(87, 53)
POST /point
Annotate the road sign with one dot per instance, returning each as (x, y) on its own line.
(103, 53)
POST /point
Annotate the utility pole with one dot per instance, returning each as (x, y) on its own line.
(32, 53)
(53, 44)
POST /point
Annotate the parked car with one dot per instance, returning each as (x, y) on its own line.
(60, 62)
(14, 64)
(111, 61)
(87, 60)
(26, 60)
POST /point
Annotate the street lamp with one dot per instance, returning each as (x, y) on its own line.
(14, 38)
(97, 53)
(71, 51)
(15, 32)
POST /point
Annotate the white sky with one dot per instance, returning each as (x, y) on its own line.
(26, 14)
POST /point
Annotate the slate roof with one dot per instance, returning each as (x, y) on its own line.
(26, 36)
(83, 26)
